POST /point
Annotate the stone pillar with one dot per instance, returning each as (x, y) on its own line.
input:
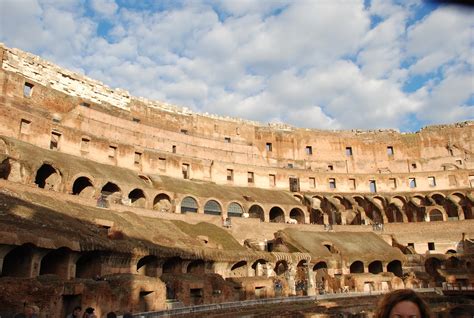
(4, 250)
(311, 285)
(290, 278)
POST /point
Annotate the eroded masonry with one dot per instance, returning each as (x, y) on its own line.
(127, 204)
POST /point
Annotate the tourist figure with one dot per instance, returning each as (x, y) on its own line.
(89, 313)
(402, 303)
(76, 313)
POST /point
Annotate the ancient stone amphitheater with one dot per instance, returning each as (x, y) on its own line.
(127, 204)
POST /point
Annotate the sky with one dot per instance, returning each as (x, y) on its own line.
(324, 64)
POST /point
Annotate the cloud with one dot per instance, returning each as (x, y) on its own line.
(310, 64)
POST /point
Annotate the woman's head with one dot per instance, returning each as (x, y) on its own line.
(402, 303)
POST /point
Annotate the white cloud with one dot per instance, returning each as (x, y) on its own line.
(105, 8)
(307, 63)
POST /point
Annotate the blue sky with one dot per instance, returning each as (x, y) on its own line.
(327, 64)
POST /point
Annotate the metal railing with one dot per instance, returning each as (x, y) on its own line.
(263, 301)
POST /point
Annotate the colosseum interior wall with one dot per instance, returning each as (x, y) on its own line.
(103, 193)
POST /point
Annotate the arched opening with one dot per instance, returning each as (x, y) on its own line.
(5, 169)
(394, 215)
(281, 267)
(436, 215)
(395, 267)
(320, 271)
(83, 187)
(112, 193)
(196, 267)
(297, 215)
(256, 212)
(48, 178)
(316, 216)
(259, 267)
(137, 198)
(451, 251)
(356, 267)
(162, 203)
(431, 267)
(89, 265)
(189, 204)
(235, 210)
(212, 207)
(56, 262)
(277, 215)
(173, 266)
(148, 266)
(17, 262)
(375, 267)
(375, 215)
(239, 269)
(452, 263)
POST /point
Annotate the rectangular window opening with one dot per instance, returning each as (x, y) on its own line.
(230, 175)
(312, 182)
(84, 104)
(352, 184)
(162, 164)
(136, 120)
(309, 150)
(173, 149)
(227, 140)
(25, 126)
(348, 151)
(393, 183)
(330, 167)
(412, 182)
(373, 186)
(413, 165)
(85, 144)
(55, 138)
(332, 183)
(432, 181)
(184, 131)
(390, 151)
(137, 158)
(431, 246)
(112, 151)
(271, 179)
(185, 170)
(269, 146)
(250, 177)
(28, 89)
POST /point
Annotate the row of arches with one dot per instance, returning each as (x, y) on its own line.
(334, 209)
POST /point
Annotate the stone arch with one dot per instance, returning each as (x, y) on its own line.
(17, 262)
(145, 179)
(436, 215)
(316, 216)
(239, 269)
(12, 170)
(452, 263)
(110, 188)
(212, 207)
(432, 265)
(395, 267)
(394, 213)
(380, 200)
(438, 198)
(320, 271)
(47, 177)
(189, 204)
(83, 187)
(258, 267)
(452, 207)
(137, 198)
(316, 201)
(281, 267)
(89, 265)
(375, 267)
(299, 197)
(330, 208)
(463, 202)
(173, 265)
(234, 209)
(56, 262)
(298, 215)
(148, 266)
(342, 201)
(277, 215)
(256, 211)
(162, 203)
(356, 267)
(196, 267)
